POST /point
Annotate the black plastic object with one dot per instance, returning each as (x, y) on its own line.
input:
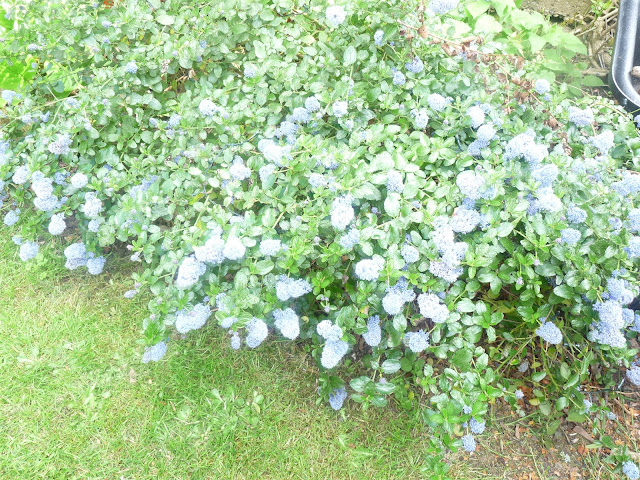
(626, 55)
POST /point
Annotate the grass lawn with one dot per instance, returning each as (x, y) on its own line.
(76, 401)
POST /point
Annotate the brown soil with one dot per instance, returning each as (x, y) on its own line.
(562, 8)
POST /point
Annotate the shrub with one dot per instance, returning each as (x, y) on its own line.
(389, 188)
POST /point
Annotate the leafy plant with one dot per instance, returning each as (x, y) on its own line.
(402, 188)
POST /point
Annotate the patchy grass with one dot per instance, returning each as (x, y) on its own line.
(77, 403)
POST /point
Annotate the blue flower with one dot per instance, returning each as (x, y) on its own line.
(287, 322)
(576, 214)
(131, 67)
(477, 116)
(476, 426)
(377, 37)
(350, 240)
(417, 341)
(11, 217)
(369, 269)
(333, 352)
(249, 71)
(28, 250)
(542, 86)
(95, 265)
(437, 102)
(464, 220)
(187, 320)
(341, 212)
(337, 398)
(469, 443)
(234, 249)
(340, 108)
(154, 353)
(373, 335)
(631, 470)
(570, 236)
(550, 333)
(633, 374)
(189, 272)
(409, 253)
(603, 142)
(431, 307)
(335, 15)
(443, 6)
(415, 66)
(287, 288)
(271, 247)
(581, 118)
(257, 331)
(421, 118)
(398, 78)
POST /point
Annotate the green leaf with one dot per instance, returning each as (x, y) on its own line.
(576, 417)
(165, 19)
(392, 204)
(260, 49)
(487, 24)
(385, 388)
(264, 266)
(462, 359)
(536, 377)
(564, 291)
(350, 55)
(359, 383)
(390, 366)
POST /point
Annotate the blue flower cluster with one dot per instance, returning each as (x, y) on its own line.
(570, 236)
(581, 118)
(131, 67)
(417, 341)
(369, 269)
(340, 108)
(409, 253)
(334, 348)
(415, 65)
(337, 398)
(373, 335)
(341, 212)
(421, 118)
(287, 322)
(443, 6)
(271, 247)
(287, 288)
(437, 102)
(187, 320)
(257, 331)
(350, 240)
(576, 214)
(335, 15)
(154, 353)
(603, 142)
(550, 333)
(631, 470)
(633, 375)
(28, 250)
(469, 443)
(397, 296)
(542, 86)
(477, 116)
(377, 37)
(431, 307)
(394, 181)
(189, 272)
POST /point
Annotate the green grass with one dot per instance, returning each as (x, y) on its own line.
(76, 401)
